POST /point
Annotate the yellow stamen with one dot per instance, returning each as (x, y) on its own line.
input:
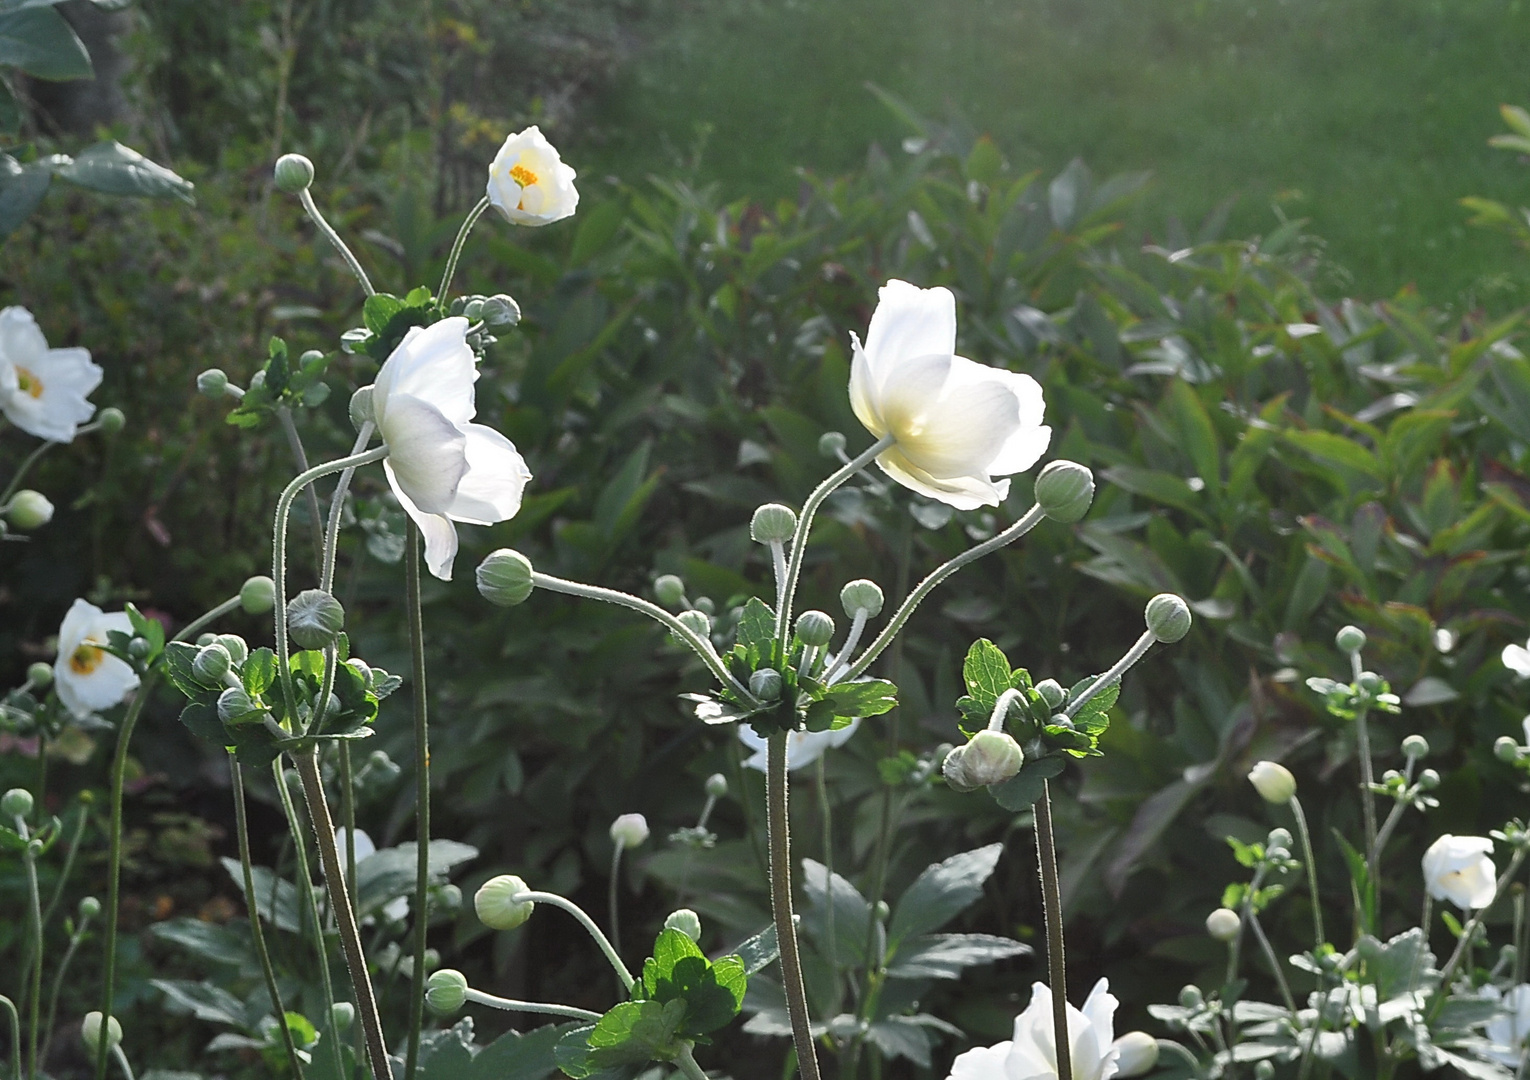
(86, 658)
(28, 383)
(523, 176)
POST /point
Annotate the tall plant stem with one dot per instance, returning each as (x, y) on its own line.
(613, 915)
(778, 825)
(58, 983)
(306, 198)
(1367, 796)
(300, 455)
(421, 793)
(63, 877)
(568, 1012)
(1051, 902)
(600, 939)
(34, 927)
(462, 235)
(307, 762)
(1305, 836)
(257, 934)
(10, 1008)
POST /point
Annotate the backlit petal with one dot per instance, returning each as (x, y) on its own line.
(427, 453)
(433, 364)
(910, 322)
(438, 532)
(961, 492)
(495, 480)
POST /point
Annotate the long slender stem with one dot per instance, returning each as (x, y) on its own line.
(300, 455)
(1269, 955)
(612, 914)
(252, 905)
(350, 935)
(58, 983)
(852, 639)
(119, 1055)
(63, 877)
(462, 235)
(1305, 835)
(512, 1005)
(826, 821)
(336, 510)
(421, 793)
(24, 468)
(34, 927)
(1367, 797)
(1033, 517)
(10, 1007)
(800, 538)
(306, 198)
(779, 829)
(1117, 670)
(585, 921)
(1051, 901)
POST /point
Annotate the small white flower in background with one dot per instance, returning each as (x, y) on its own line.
(802, 747)
(1517, 659)
(442, 467)
(528, 182)
(88, 677)
(1460, 869)
(396, 909)
(43, 390)
(1273, 781)
(1509, 1033)
(630, 830)
(958, 424)
(1032, 1054)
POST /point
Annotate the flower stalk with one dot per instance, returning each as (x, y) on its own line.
(512, 1005)
(457, 244)
(777, 826)
(306, 198)
(1051, 902)
(421, 705)
(585, 921)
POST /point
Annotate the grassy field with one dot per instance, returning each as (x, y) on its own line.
(1370, 117)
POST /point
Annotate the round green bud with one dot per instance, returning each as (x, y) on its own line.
(238, 648)
(314, 619)
(765, 684)
(235, 706)
(1224, 924)
(831, 443)
(1264, 1070)
(862, 595)
(686, 921)
(257, 595)
(1350, 639)
(111, 419)
(717, 783)
(360, 408)
(29, 510)
(139, 648)
(212, 662)
(773, 524)
(1062, 720)
(40, 675)
(990, 758)
(697, 622)
(815, 628)
(89, 908)
(705, 606)
(1278, 840)
(90, 1032)
(1505, 749)
(342, 1014)
(206, 639)
(1168, 617)
(1390, 775)
(293, 173)
(1273, 781)
(504, 578)
(1064, 490)
(494, 906)
(213, 382)
(629, 830)
(883, 910)
(1190, 997)
(669, 590)
(1370, 682)
(446, 991)
(500, 310)
(1428, 779)
(16, 803)
(473, 309)
(1415, 746)
(447, 899)
(1052, 693)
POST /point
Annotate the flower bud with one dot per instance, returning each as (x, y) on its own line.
(235, 706)
(630, 830)
(500, 310)
(1136, 1054)
(686, 921)
(495, 907)
(16, 803)
(1190, 996)
(1052, 693)
(139, 648)
(1370, 682)
(446, 991)
(29, 510)
(360, 408)
(697, 622)
(1223, 924)
(211, 664)
(1350, 639)
(342, 1015)
(1273, 781)
(1428, 779)
(473, 308)
(765, 684)
(772, 524)
(89, 908)
(111, 420)
(90, 1032)
(238, 648)
(293, 173)
(882, 910)
(213, 382)
(862, 595)
(257, 595)
(815, 628)
(1168, 617)
(1264, 1070)
(446, 899)
(40, 675)
(504, 578)
(1505, 749)
(1278, 840)
(990, 758)
(1415, 746)
(314, 619)
(717, 783)
(1064, 490)
(831, 443)
(669, 590)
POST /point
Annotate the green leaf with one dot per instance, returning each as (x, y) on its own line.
(10, 111)
(638, 1031)
(40, 41)
(758, 951)
(669, 948)
(1161, 487)
(209, 941)
(987, 673)
(1336, 449)
(259, 671)
(1021, 791)
(942, 892)
(518, 1056)
(276, 899)
(201, 719)
(22, 188)
(202, 1000)
(596, 231)
(852, 913)
(944, 956)
(1362, 889)
(845, 702)
(179, 656)
(114, 169)
(378, 309)
(757, 625)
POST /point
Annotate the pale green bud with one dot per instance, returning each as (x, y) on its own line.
(213, 382)
(1168, 617)
(139, 648)
(1350, 639)
(1190, 996)
(629, 830)
(40, 675)
(990, 758)
(1505, 749)
(29, 510)
(669, 590)
(1273, 781)
(235, 706)
(16, 803)
(1370, 682)
(504, 578)
(314, 619)
(341, 1016)
(500, 310)
(831, 443)
(815, 628)
(1052, 693)
(717, 783)
(90, 1032)
(697, 622)
(212, 662)
(89, 908)
(686, 921)
(1137, 1054)
(1223, 924)
(111, 420)
(1064, 490)
(1278, 841)
(1429, 779)
(446, 991)
(862, 595)
(293, 173)
(257, 595)
(765, 684)
(360, 408)
(494, 906)
(772, 524)
(1415, 746)
(1264, 1070)
(238, 648)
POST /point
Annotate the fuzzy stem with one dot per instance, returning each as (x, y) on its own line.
(1367, 797)
(33, 981)
(852, 639)
(511, 1005)
(306, 198)
(1269, 954)
(1312, 883)
(300, 455)
(1117, 670)
(63, 877)
(585, 921)
(24, 468)
(1051, 900)
(421, 705)
(826, 820)
(336, 508)
(10, 1007)
(779, 828)
(462, 235)
(58, 983)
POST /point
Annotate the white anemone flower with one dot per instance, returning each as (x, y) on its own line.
(528, 182)
(88, 677)
(43, 390)
(396, 909)
(1517, 659)
(802, 747)
(959, 425)
(442, 467)
(1510, 1030)
(1460, 869)
(1032, 1054)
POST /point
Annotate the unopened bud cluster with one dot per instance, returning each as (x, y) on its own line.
(991, 757)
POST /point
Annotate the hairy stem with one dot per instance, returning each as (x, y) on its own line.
(300, 455)
(58, 984)
(779, 828)
(421, 793)
(1051, 901)
(585, 921)
(1305, 835)
(462, 235)
(306, 198)
(337, 508)
(10, 1008)
(511, 1005)
(1117, 670)
(34, 928)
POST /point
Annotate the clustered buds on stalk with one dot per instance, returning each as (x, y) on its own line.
(494, 904)
(772, 523)
(504, 578)
(1273, 781)
(1223, 924)
(1415, 746)
(991, 757)
(211, 663)
(765, 684)
(669, 590)
(29, 510)
(446, 991)
(686, 921)
(862, 595)
(1052, 693)
(314, 619)
(1064, 491)
(235, 706)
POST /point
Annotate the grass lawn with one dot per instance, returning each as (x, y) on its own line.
(1370, 117)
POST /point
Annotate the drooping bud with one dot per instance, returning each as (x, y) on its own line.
(1428, 779)
(815, 628)
(1223, 924)
(257, 595)
(630, 830)
(862, 595)
(89, 908)
(1168, 617)
(29, 510)
(40, 675)
(446, 991)
(90, 1032)
(360, 408)
(1136, 1054)
(1505, 749)
(990, 758)
(495, 907)
(213, 382)
(765, 684)
(238, 648)
(16, 803)
(669, 590)
(1415, 746)
(772, 524)
(235, 706)
(686, 921)
(1064, 490)
(341, 1016)
(500, 310)
(293, 173)
(314, 619)
(1350, 639)
(717, 783)
(504, 578)
(1052, 693)
(211, 663)
(1273, 781)
(112, 420)
(831, 443)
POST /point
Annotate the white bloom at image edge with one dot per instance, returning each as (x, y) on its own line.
(89, 678)
(395, 909)
(528, 182)
(959, 425)
(43, 390)
(1517, 659)
(442, 467)
(1508, 1032)
(802, 747)
(1460, 869)
(1031, 1054)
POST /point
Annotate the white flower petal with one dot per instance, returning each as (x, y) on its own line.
(959, 429)
(364, 846)
(981, 1063)
(433, 364)
(87, 678)
(1460, 869)
(862, 389)
(962, 492)
(427, 453)
(1517, 659)
(438, 532)
(910, 322)
(43, 391)
(528, 182)
(495, 480)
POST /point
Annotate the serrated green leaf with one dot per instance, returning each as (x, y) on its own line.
(378, 309)
(987, 673)
(757, 625)
(179, 656)
(258, 672)
(943, 891)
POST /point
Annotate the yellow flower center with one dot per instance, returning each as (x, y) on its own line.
(28, 383)
(523, 176)
(86, 657)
